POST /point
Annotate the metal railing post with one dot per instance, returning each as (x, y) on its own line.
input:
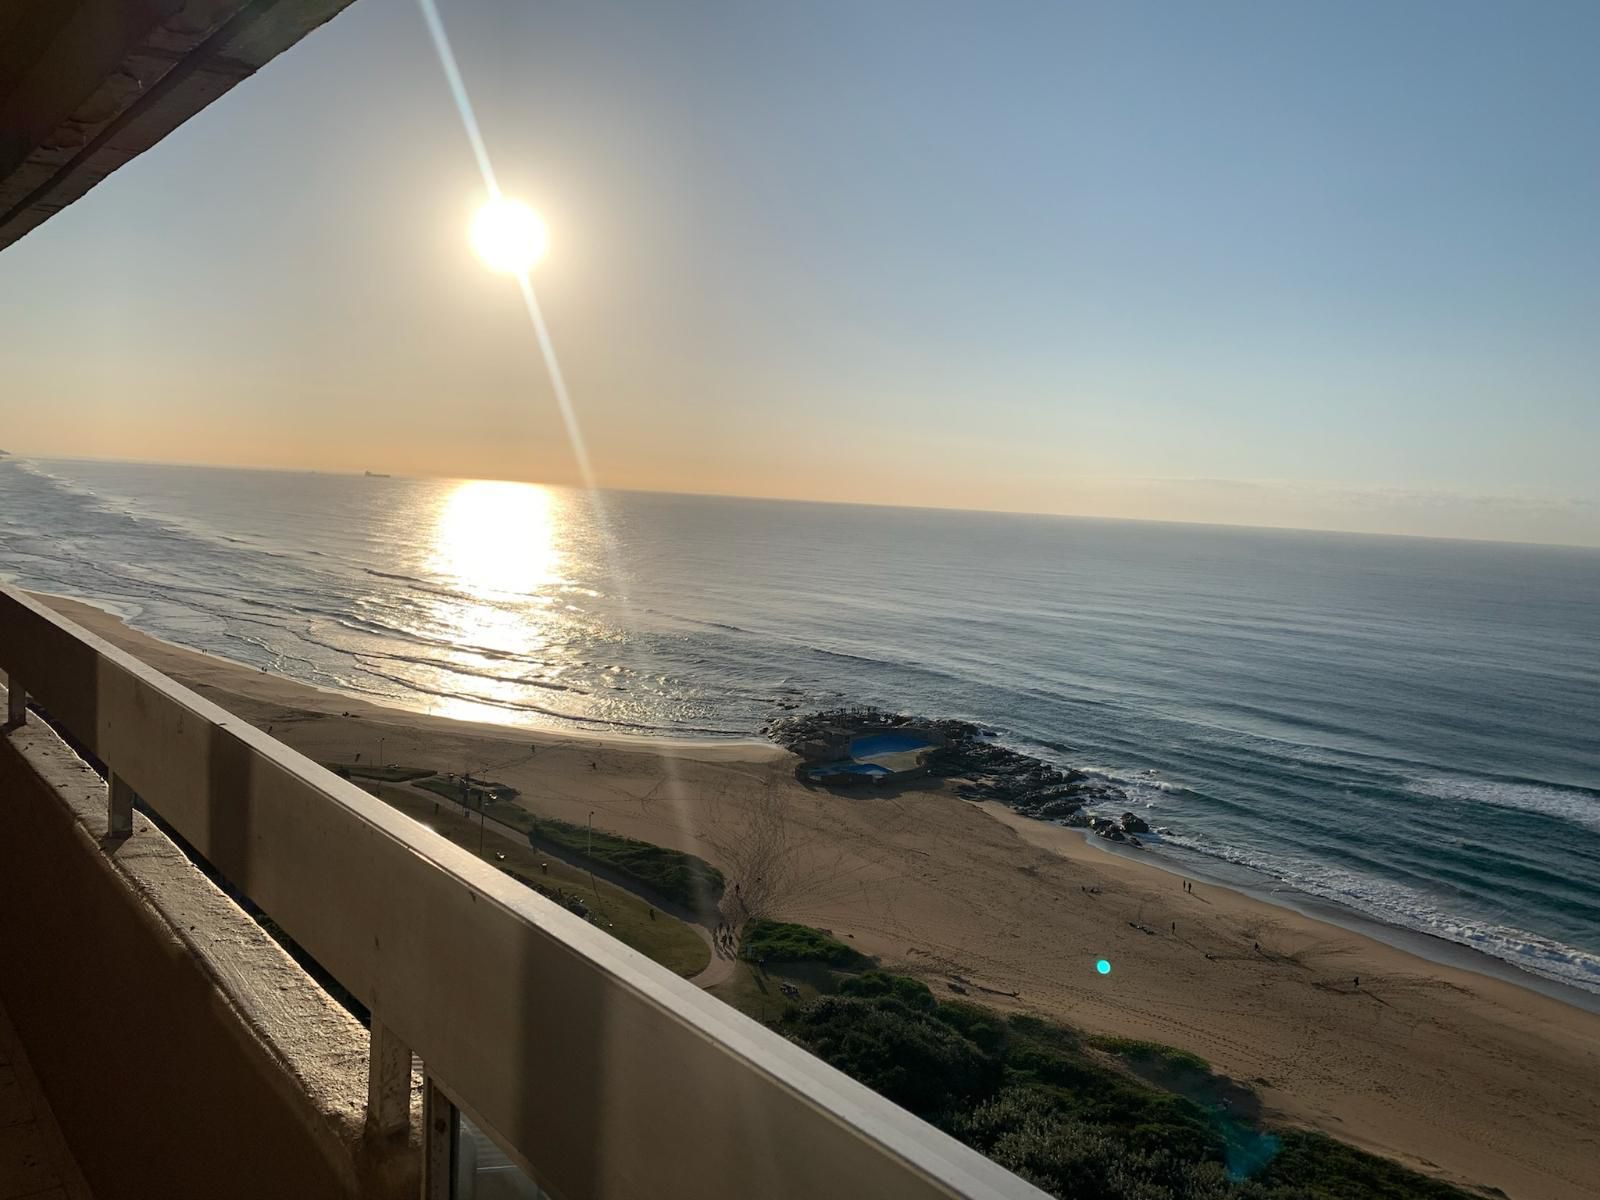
(388, 1081)
(344, 872)
(119, 808)
(441, 1127)
(16, 703)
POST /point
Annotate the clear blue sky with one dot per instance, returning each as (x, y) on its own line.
(1333, 265)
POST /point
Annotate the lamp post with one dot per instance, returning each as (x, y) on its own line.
(589, 855)
(483, 808)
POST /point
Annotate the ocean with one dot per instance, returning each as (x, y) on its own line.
(1405, 728)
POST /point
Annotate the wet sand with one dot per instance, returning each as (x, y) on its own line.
(1463, 1075)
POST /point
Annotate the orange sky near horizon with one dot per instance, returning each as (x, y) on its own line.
(789, 260)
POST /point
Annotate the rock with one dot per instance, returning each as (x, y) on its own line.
(1133, 824)
(1052, 809)
(981, 769)
(1077, 819)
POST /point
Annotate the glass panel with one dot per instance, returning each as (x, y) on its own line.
(483, 1172)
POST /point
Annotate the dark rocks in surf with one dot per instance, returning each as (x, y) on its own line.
(1057, 808)
(979, 768)
(1133, 824)
(1107, 828)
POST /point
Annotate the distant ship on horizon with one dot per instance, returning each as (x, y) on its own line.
(377, 475)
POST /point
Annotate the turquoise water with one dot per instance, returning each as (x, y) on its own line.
(1403, 727)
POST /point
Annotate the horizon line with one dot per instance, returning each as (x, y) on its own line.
(352, 473)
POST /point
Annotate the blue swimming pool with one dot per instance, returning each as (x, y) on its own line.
(875, 744)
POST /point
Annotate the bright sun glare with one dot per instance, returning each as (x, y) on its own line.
(509, 236)
(497, 538)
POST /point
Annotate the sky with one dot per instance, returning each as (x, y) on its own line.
(1324, 265)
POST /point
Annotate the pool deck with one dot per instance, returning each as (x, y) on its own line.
(880, 757)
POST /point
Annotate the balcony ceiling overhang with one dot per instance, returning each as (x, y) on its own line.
(87, 85)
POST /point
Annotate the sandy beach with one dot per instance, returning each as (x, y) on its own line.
(1469, 1077)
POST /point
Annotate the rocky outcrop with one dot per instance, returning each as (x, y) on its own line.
(967, 755)
(829, 733)
(1133, 824)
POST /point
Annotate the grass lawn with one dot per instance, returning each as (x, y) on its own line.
(387, 774)
(756, 992)
(672, 874)
(480, 794)
(664, 939)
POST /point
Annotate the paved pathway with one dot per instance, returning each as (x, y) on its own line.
(719, 970)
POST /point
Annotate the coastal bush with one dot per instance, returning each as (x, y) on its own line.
(1315, 1165)
(672, 874)
(902, 1053)
(1169, 1057)
(782, 942)
(1025, 1132)
(913, 993)
(1037, 1098)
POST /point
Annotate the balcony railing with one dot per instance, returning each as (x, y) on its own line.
(597, 1072)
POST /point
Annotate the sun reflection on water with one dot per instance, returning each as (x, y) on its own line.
(497, 539)
(497, 543)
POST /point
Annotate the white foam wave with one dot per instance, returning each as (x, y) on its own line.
(1564, 804)
(1142, 787)
(1410, 908)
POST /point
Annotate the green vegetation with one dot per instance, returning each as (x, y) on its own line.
(781, 942)
(386, 774)
(672, 874)
(758, 992)
(662, 938)
(1083, 1118)
(675, 876)
(1314, 1164)
(1154, 1053)
(632, 921)
(482, 793)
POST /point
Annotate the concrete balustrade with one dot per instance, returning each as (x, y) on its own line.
(599, 1073)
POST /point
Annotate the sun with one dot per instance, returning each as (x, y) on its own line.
(509, 236)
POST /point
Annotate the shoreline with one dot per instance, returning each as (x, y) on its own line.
(1465, 1076)
(72, 608)
(1430, 947)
